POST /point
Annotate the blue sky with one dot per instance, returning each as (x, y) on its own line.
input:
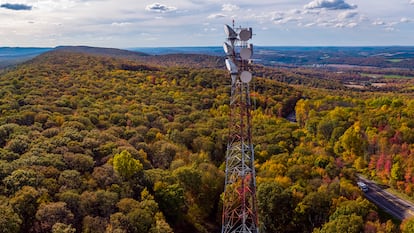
(157, 23)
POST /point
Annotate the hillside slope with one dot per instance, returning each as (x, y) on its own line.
(111, 144)
(65, 118)
(172, 60)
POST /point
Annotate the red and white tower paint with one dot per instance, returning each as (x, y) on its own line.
(239, 199)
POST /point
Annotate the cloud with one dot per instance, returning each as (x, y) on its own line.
(16, 7)
(406, 20)
(159, 8)
(121, 24)
(412, 2)
(231, 7)
(279, 17)
(378, 22)
(216, 16)
(297, 11)
(347, 15)
(330, 5)
(346, 25)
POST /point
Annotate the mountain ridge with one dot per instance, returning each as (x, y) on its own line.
(376, 56)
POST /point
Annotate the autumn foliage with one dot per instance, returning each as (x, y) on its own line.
(93, 143)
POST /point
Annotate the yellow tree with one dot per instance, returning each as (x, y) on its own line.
(126, 166)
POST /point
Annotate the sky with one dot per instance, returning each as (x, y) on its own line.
(158, 23)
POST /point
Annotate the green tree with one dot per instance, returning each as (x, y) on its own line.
(24, 203)
(18, 145)
(118, 223)
(352, 143)
(80, 162)
(360, 207)
(189, 178)
(62, 228)
(170, 199)
(314, 210)
(407, 226)
(325, 128)
(20, 178)
(126, 166)
(140, 220)
(397, 171)
(9, 220)
(8, 155)
(275, 207)
(344, 223)
(126, 205)
(70, 179)
(160, 226)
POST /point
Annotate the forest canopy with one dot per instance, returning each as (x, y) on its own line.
(101, 144)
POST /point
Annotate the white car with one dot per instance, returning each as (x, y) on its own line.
(363, 186)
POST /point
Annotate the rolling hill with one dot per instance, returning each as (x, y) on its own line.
(110, 141)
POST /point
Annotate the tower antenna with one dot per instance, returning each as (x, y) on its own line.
(239, 199)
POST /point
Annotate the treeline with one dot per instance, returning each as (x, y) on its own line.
(100, 144)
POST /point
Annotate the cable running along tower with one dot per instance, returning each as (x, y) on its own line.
(239, 200)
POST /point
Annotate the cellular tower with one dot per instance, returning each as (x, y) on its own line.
(239, 199)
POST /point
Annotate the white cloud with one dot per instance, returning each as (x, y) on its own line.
(346, 25)
(330, 5)
(160, 8)
(352, 25)
(229, 7)
(412, 2)
(378, 22)
(295, 11)
(347, 15)
(279, 17)
(309, 24)
(216, 16)
(120, 24)
(210, 29)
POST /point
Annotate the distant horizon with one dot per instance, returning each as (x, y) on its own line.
(214, 46)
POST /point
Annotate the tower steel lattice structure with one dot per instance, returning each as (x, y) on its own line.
(239, 199)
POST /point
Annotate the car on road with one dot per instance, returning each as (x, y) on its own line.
(362, 186)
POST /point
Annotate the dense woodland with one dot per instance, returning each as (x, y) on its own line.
(101, 144)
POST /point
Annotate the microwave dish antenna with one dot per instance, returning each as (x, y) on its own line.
(231, 66)
(231, 34)
(228, 49)
(246, 76)
(245, 34)
(246, 53)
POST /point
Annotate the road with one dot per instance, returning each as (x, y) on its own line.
(397, 207)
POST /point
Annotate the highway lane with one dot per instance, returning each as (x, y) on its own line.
(397, 207)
